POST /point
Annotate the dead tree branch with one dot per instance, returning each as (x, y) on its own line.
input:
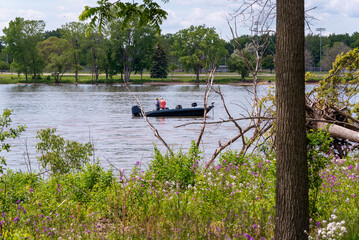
(155, 131)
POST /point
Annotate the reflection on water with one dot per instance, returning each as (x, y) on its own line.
(103, 114)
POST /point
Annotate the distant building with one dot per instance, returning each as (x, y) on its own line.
(222, 68)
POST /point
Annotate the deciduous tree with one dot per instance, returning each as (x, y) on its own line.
(292, 207)
(133, 44)
(74, 33)
(198, 47)
(21, 38)
(331, 53)
(268, 62)
(57, 53)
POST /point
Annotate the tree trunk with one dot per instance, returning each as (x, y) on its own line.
(127, 73)
(197, 74)
(76, 73)
(292, 214)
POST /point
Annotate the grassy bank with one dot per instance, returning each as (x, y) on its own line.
(86, 78)
(234, 199)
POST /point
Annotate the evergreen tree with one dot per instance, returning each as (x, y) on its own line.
(159, 63)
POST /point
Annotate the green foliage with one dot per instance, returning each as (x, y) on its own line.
(159, 63)
(4, 66)
(91, 177)
(21, 38)
(234, 198)
(58, 56)
(238, 62)
(148, 13)
(341, 84)
(60, 155)
(132, 48)
(318, 147)
(268, 62)
(6, 132)
(198, 47)
(180, 168)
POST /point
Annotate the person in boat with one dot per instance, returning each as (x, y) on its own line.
(157, 104)
(162, 104)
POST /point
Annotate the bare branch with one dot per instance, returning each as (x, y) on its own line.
(221, 147)
(155, 131)
(206, 95)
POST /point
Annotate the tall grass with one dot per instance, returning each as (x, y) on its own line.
(234, 199)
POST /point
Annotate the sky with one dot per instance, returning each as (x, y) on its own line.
(336, 16)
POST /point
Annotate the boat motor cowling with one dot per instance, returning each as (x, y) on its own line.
(136, 111)
(194, 104)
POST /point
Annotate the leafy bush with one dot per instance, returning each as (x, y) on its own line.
(60, 155)
(179, 168)
(5, 133)
(318, 146)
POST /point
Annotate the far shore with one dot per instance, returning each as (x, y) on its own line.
(264, 78)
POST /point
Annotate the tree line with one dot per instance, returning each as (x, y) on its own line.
(124, 48)
(121, 49)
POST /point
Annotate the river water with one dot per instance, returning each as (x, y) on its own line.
(103, 114)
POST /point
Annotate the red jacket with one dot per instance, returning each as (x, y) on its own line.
(163, 103)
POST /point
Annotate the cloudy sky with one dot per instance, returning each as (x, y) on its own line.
(337, 16)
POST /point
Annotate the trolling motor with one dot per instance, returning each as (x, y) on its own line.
(136, 111)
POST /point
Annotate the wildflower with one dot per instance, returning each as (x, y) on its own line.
(31, 190)
(18, 201)
(16, 219)
(42, 215)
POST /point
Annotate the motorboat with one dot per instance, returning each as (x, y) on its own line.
(194, 111)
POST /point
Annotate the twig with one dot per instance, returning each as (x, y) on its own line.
(155, 131)
(206, 95)
(227, 120)
(221, 147)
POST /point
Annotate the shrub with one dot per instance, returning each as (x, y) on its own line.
(318, 146)
(5, 133)
(180, 167)
(60, 155)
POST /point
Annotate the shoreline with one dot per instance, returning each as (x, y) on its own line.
(154, 83)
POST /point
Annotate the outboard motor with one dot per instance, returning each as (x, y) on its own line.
(194, 104)
(136, 111)
(179, 107)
